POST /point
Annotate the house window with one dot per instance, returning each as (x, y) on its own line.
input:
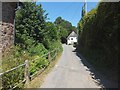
(71, 38)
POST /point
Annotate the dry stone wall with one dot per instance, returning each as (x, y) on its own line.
(7, 27)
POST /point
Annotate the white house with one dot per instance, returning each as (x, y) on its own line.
(72, 38)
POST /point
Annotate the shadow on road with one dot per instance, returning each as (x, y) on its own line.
(99, 78)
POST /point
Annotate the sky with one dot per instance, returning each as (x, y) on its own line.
(70, 11)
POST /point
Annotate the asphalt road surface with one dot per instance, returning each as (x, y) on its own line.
(69, 72)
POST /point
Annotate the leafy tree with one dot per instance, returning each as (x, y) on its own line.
(58, 20)
(64, 27)
(32, 28)
(51, 35)
(30, 24)
(52, 31)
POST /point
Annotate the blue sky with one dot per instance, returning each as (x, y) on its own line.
(70, 11)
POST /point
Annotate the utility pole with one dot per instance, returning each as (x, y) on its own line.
(85, 3)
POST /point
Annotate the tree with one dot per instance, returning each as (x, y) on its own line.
(30, 24)
(65, 28)
(51, 34)
(58, 20)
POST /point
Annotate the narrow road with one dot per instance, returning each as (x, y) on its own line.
(69, 72)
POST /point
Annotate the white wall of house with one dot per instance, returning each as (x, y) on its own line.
(71, 40)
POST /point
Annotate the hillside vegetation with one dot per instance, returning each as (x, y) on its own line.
(34, 37)
(98, 38)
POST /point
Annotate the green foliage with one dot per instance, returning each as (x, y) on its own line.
(30, 24)
(64, 27)
(98, 39)
(37, 64)
(14, 58)
(51, 36)
(37, 50)
(51, 31)
(34, 38)
(63, 32)
(33, 29)
(11, 79)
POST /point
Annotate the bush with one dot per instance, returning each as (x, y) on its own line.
(13, 59)
(38, 63)
(37, 50)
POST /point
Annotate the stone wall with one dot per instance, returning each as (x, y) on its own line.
(7, 15)
(0, 49)
(7, 27)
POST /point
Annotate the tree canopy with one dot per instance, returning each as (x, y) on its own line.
(64, 27)
(32, 28)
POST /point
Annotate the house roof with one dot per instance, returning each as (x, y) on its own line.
(72, 34)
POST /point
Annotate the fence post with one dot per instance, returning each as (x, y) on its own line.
(27, 74)
(55, 52)
(49, 57)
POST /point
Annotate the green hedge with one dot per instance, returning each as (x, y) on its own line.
(98, 39)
